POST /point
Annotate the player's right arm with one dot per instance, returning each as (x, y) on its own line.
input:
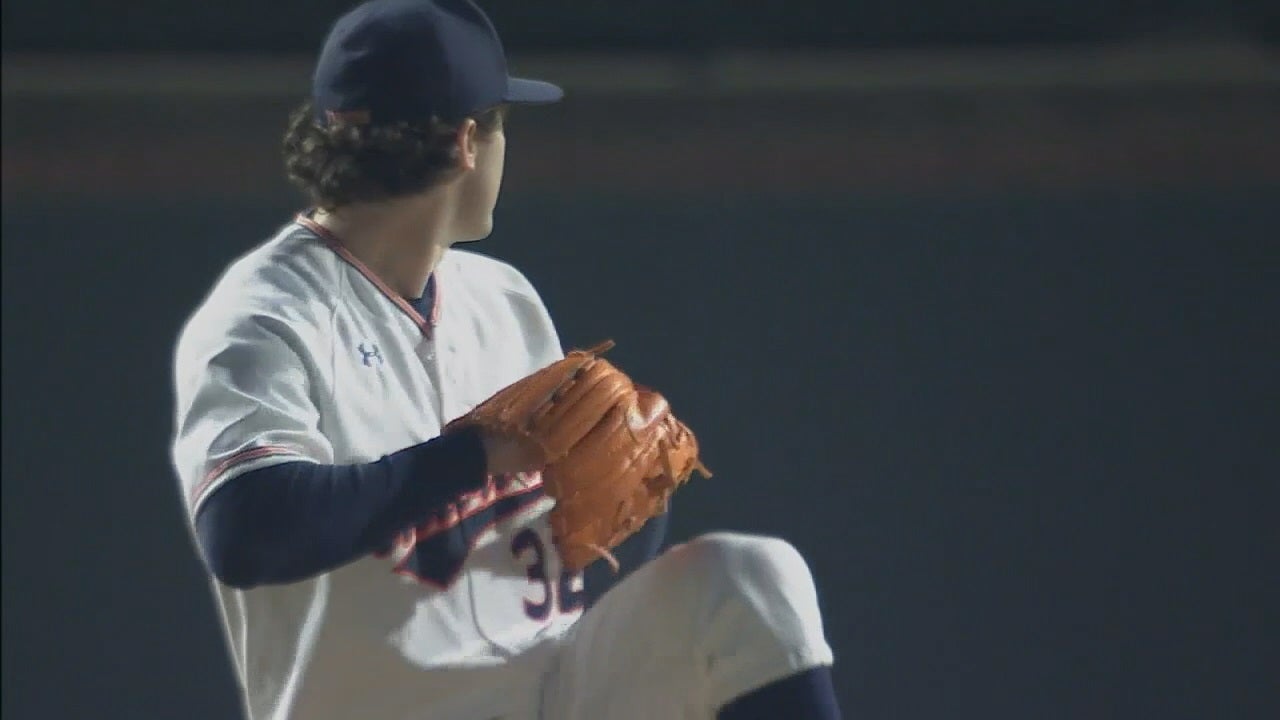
(268, 504)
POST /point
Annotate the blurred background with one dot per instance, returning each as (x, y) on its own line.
(975, 303)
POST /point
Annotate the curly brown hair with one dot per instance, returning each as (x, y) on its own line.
(344, 163)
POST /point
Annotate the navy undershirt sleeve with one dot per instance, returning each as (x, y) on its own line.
(294, 520)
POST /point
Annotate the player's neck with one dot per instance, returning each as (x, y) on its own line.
(401, 242)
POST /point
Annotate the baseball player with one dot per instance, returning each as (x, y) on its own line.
(369, 564)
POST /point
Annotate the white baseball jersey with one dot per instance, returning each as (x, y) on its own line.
(300, 353)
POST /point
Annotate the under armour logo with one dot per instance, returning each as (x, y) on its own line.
(369, 353)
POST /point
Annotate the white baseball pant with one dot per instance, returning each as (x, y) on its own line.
(704, 623)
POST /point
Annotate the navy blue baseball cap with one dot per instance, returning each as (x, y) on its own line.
(390, 61)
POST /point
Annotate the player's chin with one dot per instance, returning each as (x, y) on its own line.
(481, 231)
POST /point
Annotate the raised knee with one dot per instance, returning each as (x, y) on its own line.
(743, 559)
(752, 596)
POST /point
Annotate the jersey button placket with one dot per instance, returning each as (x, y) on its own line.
(427, 354)
(448, 382)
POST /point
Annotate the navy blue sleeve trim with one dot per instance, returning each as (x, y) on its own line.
(295, 520)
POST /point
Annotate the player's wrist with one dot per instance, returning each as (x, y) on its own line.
(506, 455)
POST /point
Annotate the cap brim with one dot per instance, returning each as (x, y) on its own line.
(532, 92)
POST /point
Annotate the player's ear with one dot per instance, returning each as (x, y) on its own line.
(466, 142)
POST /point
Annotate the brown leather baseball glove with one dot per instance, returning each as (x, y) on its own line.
(614, 453)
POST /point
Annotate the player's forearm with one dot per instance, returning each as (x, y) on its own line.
(295, 520)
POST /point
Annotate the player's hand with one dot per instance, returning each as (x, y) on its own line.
(510, 455)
